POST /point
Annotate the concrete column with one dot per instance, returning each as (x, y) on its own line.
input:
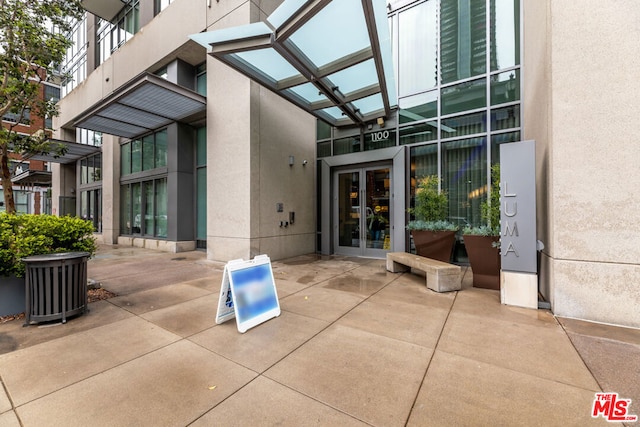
(110, 189)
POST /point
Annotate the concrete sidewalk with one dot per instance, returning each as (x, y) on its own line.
(354, 345)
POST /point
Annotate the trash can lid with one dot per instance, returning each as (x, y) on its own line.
(56, 256)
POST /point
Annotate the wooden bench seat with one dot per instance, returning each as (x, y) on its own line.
(441, 276)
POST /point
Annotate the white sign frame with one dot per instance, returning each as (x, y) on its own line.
(252, 288)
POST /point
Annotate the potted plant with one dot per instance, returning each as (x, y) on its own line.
(483, 243)
(23, 235)
(433, 236)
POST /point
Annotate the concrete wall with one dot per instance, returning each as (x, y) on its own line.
(250, 135)
(589, 163)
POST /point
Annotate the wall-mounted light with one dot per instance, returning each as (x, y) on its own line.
(381, 122)
(291, 160)
(304, 162)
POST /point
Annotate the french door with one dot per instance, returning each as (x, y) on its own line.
(362, 211)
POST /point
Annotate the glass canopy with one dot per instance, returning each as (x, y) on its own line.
(331, 58)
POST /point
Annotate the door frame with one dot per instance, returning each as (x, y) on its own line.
(363, 248)
(326, 166)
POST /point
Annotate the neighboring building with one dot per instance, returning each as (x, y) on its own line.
(31, 178)
(195, 155)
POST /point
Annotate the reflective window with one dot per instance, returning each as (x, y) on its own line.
(418, 72)
(380, 139)
(112, 35)
(421, 132)
(464, 177)
(505, 118)
(463, 39)
(464, 96)
(144, 154)
(346, 145)
(418, 107)
(505, 34)
(464, 125)
(501, 138)
(505, 87)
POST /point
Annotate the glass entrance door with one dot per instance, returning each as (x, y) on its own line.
(362, 209)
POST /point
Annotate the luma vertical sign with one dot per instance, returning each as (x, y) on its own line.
(518, 206)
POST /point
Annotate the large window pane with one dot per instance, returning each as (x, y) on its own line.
(323, 130)
(136, 156)
(505, 34)
(346, 145)
(419, 107)
(147, 153)
(498, 139)
(464, 125)
(201, 146)
(505, 87)
(161, 148)
(424, 162)
(464, 177)
(148, 208)
(125, 159)
(463, 39)
(126, 223)
(421, 132)
(418, 29)
(161, 207)
(464, 96)
(505, 118)
(380, 139)
(201, 204)
(136, 207)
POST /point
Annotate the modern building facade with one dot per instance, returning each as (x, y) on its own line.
(190, 153)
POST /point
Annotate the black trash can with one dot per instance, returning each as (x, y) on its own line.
(56, 286)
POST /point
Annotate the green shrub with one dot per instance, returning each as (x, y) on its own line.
(431, 207)
(490, 208)
(25, 235)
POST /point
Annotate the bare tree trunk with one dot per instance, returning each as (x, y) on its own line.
(7, 186)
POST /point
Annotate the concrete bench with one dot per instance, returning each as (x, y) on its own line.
(441, 276)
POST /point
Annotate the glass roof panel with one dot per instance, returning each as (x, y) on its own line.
(231, 34)
(334, 112)
(307, 48)
(369, 104)
(309, 92)
(355, 77)
(269, 62)
(285, 11)
(336, 31)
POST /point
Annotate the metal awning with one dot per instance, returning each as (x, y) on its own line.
(331, 58)
(74, 152)
(146, 103)
(105, 9)
(36, 178)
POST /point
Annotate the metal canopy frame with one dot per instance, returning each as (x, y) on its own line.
(146, 103)
(74, 152)
(330, 58)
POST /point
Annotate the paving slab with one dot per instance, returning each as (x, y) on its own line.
(13, 336)
(264, 402)
(368, 376)
(612, 354)
(462, 391)
(172, 386)
(9, 419)
(541, 350)
(262, 346)
(186, 318)
(153, 299)
(321, 303)
(38, 370)
(5, 403)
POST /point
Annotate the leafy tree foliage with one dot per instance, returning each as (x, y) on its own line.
(33, 41)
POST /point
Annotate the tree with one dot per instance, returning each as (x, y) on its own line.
(33, 41)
